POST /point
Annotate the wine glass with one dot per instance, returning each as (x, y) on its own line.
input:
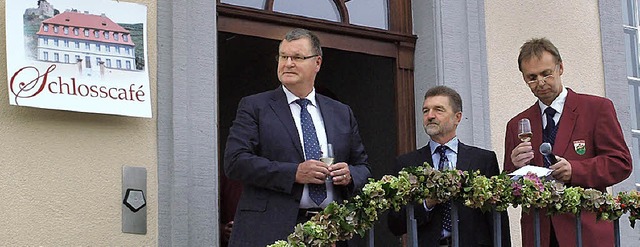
(328, 158)
(449, 165)
(524, 130)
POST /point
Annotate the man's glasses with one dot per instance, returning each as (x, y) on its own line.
(544, 79)
(284, 58)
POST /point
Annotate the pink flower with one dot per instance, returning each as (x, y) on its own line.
(536, 181)
(517, 188)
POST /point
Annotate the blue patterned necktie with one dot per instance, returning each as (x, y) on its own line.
(549, 133)
(446, 211)
(317, 192)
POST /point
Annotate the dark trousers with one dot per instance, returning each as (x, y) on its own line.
(553, 240)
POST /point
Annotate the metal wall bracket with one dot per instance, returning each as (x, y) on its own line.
(134, 210)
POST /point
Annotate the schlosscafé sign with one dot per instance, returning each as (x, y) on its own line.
(72, 55)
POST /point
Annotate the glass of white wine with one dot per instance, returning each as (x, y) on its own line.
(524, 130)
(328, 158)
(449, 166)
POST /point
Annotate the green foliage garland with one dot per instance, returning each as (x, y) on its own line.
(341, 221)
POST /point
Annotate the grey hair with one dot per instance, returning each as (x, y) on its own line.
(300, 33)
(454, 97)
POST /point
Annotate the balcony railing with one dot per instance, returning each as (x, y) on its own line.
(497, 229)
(359, 214)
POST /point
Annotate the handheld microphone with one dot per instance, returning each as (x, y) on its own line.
(545, 150)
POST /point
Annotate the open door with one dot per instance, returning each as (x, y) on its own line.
(368, 69)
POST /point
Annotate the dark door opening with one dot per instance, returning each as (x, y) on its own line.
(364, 82)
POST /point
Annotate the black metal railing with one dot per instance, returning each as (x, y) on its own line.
(412, 228)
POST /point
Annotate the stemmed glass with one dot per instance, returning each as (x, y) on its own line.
(328, 158)
(449, 166)
(524, 130)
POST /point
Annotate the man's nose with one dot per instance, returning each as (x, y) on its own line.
(431, 115)
(289, 62)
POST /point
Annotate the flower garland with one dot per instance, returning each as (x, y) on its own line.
(341, 221)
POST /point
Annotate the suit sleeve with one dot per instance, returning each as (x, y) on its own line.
(611, 162)
(397, 220)
(510, 142)
(504, 216)
(242, 161)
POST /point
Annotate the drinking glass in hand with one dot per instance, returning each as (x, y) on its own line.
(524, 130)
(328, 159)
(449, 166)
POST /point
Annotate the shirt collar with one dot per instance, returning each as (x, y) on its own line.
(452, 144)
(557, 104)
(291, 97)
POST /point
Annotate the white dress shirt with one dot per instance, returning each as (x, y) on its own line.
(314, 111)
(452, 156)
(557, 104)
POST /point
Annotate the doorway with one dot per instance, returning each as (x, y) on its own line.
(364, 82)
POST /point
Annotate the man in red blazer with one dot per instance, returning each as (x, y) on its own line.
(586, 138)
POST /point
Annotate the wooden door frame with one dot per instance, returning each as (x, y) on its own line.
(398, 43)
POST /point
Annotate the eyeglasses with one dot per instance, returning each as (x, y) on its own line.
(295, 59)
(544, 79)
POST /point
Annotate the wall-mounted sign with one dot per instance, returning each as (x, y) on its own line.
(86, 56)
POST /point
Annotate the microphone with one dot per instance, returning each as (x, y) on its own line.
(545, 150)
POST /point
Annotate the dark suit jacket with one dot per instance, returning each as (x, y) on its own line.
(264, 150)
(475, 227)
(585, 119)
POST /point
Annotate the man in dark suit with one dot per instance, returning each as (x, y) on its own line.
(441, 114)
(275, 143)
(587, 141)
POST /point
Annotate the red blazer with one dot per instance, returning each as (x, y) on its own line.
(588, 120)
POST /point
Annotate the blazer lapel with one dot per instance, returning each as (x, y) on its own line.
(464, 157)
(280, 107)
(326, 111)
(424, 155)
(535, 118)
(566, 124)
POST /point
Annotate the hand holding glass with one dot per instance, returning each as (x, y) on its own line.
(524, 130)
(328, 159)
(449, 166)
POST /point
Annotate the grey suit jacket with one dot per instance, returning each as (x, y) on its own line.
(264, 150)
(475, 227)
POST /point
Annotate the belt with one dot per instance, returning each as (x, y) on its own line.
(308, 212)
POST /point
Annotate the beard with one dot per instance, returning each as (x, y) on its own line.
(432, 129)
(439, 129)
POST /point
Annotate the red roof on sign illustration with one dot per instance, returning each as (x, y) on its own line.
(74, 19)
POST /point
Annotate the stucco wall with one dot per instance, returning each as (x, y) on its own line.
(60, 172)
(573, 26)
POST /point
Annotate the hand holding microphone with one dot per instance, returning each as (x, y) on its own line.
(545, 150)
(560, 166)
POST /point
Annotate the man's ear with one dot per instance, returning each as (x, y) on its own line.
(561, 69)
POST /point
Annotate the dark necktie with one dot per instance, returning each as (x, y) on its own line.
(317, 192)
(446, 211)
(549, 134)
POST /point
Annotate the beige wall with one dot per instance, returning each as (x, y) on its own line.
(60, 172)
(573, 26)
